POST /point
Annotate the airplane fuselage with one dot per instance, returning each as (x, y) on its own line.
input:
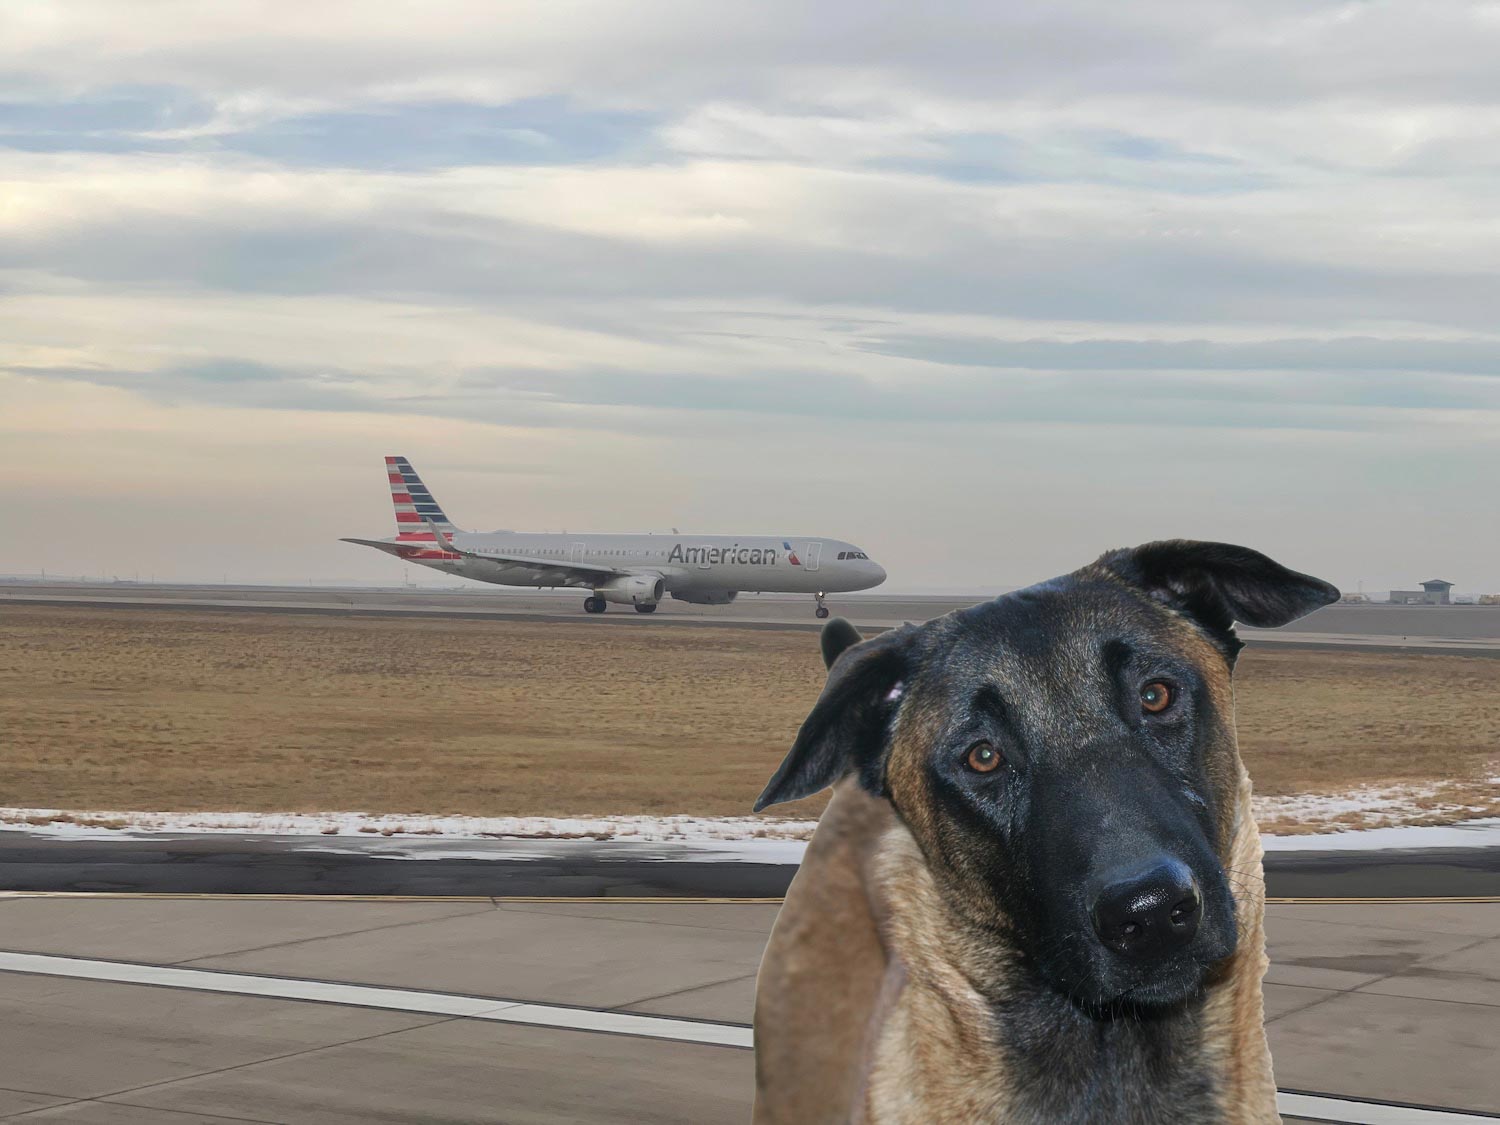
(692, 567)
(638, 570)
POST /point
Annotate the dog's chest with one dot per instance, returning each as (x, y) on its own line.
(943, 1057)
(1119, 1072)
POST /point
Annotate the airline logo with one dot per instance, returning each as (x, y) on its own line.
(791, 555)
(415, 508)
(708, 556)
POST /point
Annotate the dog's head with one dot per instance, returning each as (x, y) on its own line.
(1065, 757)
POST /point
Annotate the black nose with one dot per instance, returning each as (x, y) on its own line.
(1149, 912)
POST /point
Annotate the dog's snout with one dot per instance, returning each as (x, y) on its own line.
(1150, 912)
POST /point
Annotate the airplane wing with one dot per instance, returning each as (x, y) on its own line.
(563, 571)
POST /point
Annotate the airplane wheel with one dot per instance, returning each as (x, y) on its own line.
(646, 607)
(594, 605)
(821, 612)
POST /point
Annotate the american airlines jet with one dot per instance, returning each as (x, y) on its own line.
(636, 570)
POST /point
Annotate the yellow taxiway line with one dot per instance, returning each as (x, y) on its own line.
(159, 896)
(628, 900)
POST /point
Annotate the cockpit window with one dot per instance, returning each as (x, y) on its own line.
(853, 555)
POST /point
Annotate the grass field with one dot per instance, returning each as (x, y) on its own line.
(189, 711)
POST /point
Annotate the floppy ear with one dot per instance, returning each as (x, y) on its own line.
(849, 725)
(1218, 584)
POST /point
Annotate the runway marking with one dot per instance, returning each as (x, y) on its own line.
(638, 900)
(372, 996)
(1324, 1107)
(1321, 1107)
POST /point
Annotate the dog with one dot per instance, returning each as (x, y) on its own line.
(1036, 894)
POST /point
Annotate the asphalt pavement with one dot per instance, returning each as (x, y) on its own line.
(224, 863)
(1458, 628)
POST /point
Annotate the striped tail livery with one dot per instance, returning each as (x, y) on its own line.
(415, 507)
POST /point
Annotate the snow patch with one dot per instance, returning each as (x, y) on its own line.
(1371, 815)
(645, 829)
(605, 851)
(1483, 833)
(1371, 807)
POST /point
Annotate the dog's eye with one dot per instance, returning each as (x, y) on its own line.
(983, 758)
(1156, 697)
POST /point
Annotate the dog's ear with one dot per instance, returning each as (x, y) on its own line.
(849, 726)
(837, 635)
(1218, 584)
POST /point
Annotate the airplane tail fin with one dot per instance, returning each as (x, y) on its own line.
(416, 510)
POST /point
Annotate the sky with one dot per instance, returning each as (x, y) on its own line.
(985, 289)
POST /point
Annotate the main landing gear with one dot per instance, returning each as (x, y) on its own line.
(645, 607)
(822, 611)
(594, 604)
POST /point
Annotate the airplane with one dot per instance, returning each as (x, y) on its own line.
(636, 570)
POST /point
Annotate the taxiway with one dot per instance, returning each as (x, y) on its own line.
(136, 1010)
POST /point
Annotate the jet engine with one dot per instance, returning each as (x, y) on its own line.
(633, 589)
(706, 597)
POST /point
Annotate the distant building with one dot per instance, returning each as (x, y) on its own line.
(1436, 590)
(1433, 592)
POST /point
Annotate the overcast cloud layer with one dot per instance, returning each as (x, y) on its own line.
(984, 288)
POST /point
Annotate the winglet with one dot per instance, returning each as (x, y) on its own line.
(444, 543)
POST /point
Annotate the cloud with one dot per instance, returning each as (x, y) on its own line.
(741, 232)
(671, 404)
(1167, 236)
(402, 135)
(1473, 356)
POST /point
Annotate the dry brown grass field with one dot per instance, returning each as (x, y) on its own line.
(188, 711)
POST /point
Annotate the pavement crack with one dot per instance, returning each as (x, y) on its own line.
(329, 937)
(187, 1113)
(274, 1058)
(193, 1113)
(1360, 988)
(635, 921)
(34, 1093)
(1332, 994)
(681, 991)
(63, 1103)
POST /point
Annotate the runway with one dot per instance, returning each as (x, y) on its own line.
(230, 863)
(136, 1011)
(1474, 629)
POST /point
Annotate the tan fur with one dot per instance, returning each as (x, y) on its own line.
(833, 1044)
(934, 1060)
(820, 981)
(1235, 1025)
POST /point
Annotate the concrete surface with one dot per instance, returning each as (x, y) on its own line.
(1437, 628)
(1393, 1002)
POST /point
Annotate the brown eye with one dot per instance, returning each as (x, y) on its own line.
(983, 758)
(1156, 697)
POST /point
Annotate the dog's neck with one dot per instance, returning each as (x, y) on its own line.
(995, 1043)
